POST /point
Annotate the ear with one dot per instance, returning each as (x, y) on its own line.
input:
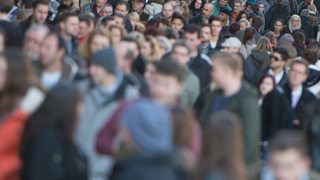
(62, 25)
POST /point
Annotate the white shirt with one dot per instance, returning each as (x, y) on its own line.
(295, 96)
(50, 79)
(276, 77)
(213, 44)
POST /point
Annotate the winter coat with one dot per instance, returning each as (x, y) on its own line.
(257, 59)
(277, 11)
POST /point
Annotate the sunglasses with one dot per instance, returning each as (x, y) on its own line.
(274, 57)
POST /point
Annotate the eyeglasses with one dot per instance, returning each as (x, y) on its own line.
(274, 57)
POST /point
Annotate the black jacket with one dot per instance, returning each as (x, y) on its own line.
(283, 81)
(257, 59)
(196, 20)
(307, 27)
(277, 11)
(13, 33)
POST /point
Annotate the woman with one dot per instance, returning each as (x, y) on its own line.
(116, 34)
(54, 122)
(150, 49)
(222, 160)
(266, 84)
(248, 42)
(195, 7)
(242, 15)
(277, 28)
(294, 24)
(244, 24)
(272, 38)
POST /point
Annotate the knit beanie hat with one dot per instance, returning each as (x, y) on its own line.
(286, 39)
(107, 59)
(149, 125)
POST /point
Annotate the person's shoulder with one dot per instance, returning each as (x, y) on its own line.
(314, 175)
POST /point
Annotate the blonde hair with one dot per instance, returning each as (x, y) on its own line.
(244, 20)
(134, 16)
(263, 45)
(155, 55)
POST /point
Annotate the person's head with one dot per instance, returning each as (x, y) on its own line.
(261, 7)
(100, 3)
(226, 157)
(40, 10)
(224, 15)
(207, 10)
(2, 40)
(206, 33)
(227, 67)
(231, 45)
(134, 18)
(257, 22)
(6, 6)
(278, 25)
(146, 125)
(167, 10)
(116, 34)
(150, 49)
(122, 7)
(107, 10)
(106, 22)
(242, 15)
(263, 45)
(86, 23)
(15, 79)
(150, 72)
(244, 24)
(312, 9)
(134, 40)
(181, 52)
(289, 155)
(216, 25)
(103, 68)
(266, 84)
(298, 72)
(272, 38)
(52, 52)
(278, 58)
(196, 4)
(238, 6)
(294, 23)
(192, 35)
(32, 41)
(138, 5)
(120, 20)
(69, 25)
(223, 3)
(125, 55)
(299, 37)
(248, 35)
(177, 22)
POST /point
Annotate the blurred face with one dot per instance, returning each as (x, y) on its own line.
(205, 34)
(180, 54)
(222, 3)
(71, 26)
(276, 62)
(83, 30)
(207, 11)
(121, 9)
(278, 26)
(165, 89)
(266, 86)
(244, 16)
(98, 73)
(2, 42)
(192, 39)
(100, 3)
(146, 49)
(295, 22)
(297, 74)
(119, 21)
(137, 5)
(224, 17)
(167, 10)
(3, 72)
(237, 7)
(40, 13)
(243, 26)
(149, 73)
(99, 42)
(218, 73)
(261, 7)
(106, 11)
(289, 164)
(49, 51)
(197, 4)
(216, 27)
(32, 44)
(177, 24)
(115, 35)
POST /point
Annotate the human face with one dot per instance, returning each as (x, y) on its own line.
(3, 72)
(177, 24)
(99, 42)
(119, 21)
(278, 26)
(295, 22)
(237, 7)
(83, 30)
(218, 73)
(149, 73)
(115, 35)
(276, 62)
(192, 39)
(207, 11)
(71, 26)
(98, 73)
(121, 9)
(205, 34)
(244, 16)
(266, 86)
(198, 4)
(49, 51)
(289, 164)
(100, 3)
(167, 10)
(165, 89)
(224, 17)
(243, 26)
(216, 27)
(137, 5)
(180, 54)
(261, 7)
(297, 74)
(222, 3)
(32, 43)
(146, 49)
(106, 11)
(40, 13)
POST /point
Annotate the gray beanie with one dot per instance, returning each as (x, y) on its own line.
(150, 126)
(286, 39)
(107, 59)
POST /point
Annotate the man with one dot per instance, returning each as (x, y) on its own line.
(40, 11)
(122, 8)
(101, 98)
(237, 7)
(120, 20)
(95, 7)
(224, 17)
(290, 157)
(32, 41)
(296, 93)
(107, 10)
(69, 28)
(86, 26)
(277, 11)
(278, 60)
(216, 38)
(138, 6)
(306, 25)
(204, 17)
(206, 33)
(219, 5)
(53, 66)
(166, 12)
(238, 97)
(181, 54)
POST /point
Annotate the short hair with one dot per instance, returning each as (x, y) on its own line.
(123, 3)
(6, 5)
(214, 18)
(257, 21)
(207, 25)
(299, 37)
(37, 2)
(193, 28)
(301, 61)
(289, 139)
(65, 16)
(169, 67)
(124, 18)
(108, 5)
(231, 60)
(134, 16)
(177, 15)
(181, 43)
(283, 53)
(87, 19)
(106, 19)
(60, 41)
(305, 12)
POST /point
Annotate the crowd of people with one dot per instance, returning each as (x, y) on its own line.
(159, 89)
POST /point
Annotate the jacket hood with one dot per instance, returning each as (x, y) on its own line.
(259, 56)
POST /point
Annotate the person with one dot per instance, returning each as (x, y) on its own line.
(248, 42)
(60, 158)
(299, 42)
(101, 97)
(107, 10)
(219, 5)
(306, 25)
(265, 85)
(242, 15)
(166, 12)
(297, 95)
(238, 97)
(277, 11)
(223, 126)
(225, 19)
(19, 98)
(204, 16)
(54, 66)
(289, 158)
(177, 24)
(216, 38)
(277, 28)
(94, 7)
(238, 6)
(117, 33)
(86, 26)
(294, 24)
(123, 8)
(196, 7)
(150, 49)
(244, 24)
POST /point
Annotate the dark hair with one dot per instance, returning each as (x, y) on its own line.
(61, 43)
(310, 56)
(65, 16)
(261, 80)
(124, 18)
(86, 19)
(18, 80)
(240, 14)
(299, 37)
(214, 18)
(123, 3)
(193, 2)
(283, 52)
(193, 28)
(248, 34)
(37, 2)
(6, 5)
(257, 22)
(170, 68)
(206, 25)
(226, 157)
(177, 15)
(289, 139)
(104, 20)
(278, 20)
(234, 27)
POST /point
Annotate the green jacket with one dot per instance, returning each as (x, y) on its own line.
(217, 8)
